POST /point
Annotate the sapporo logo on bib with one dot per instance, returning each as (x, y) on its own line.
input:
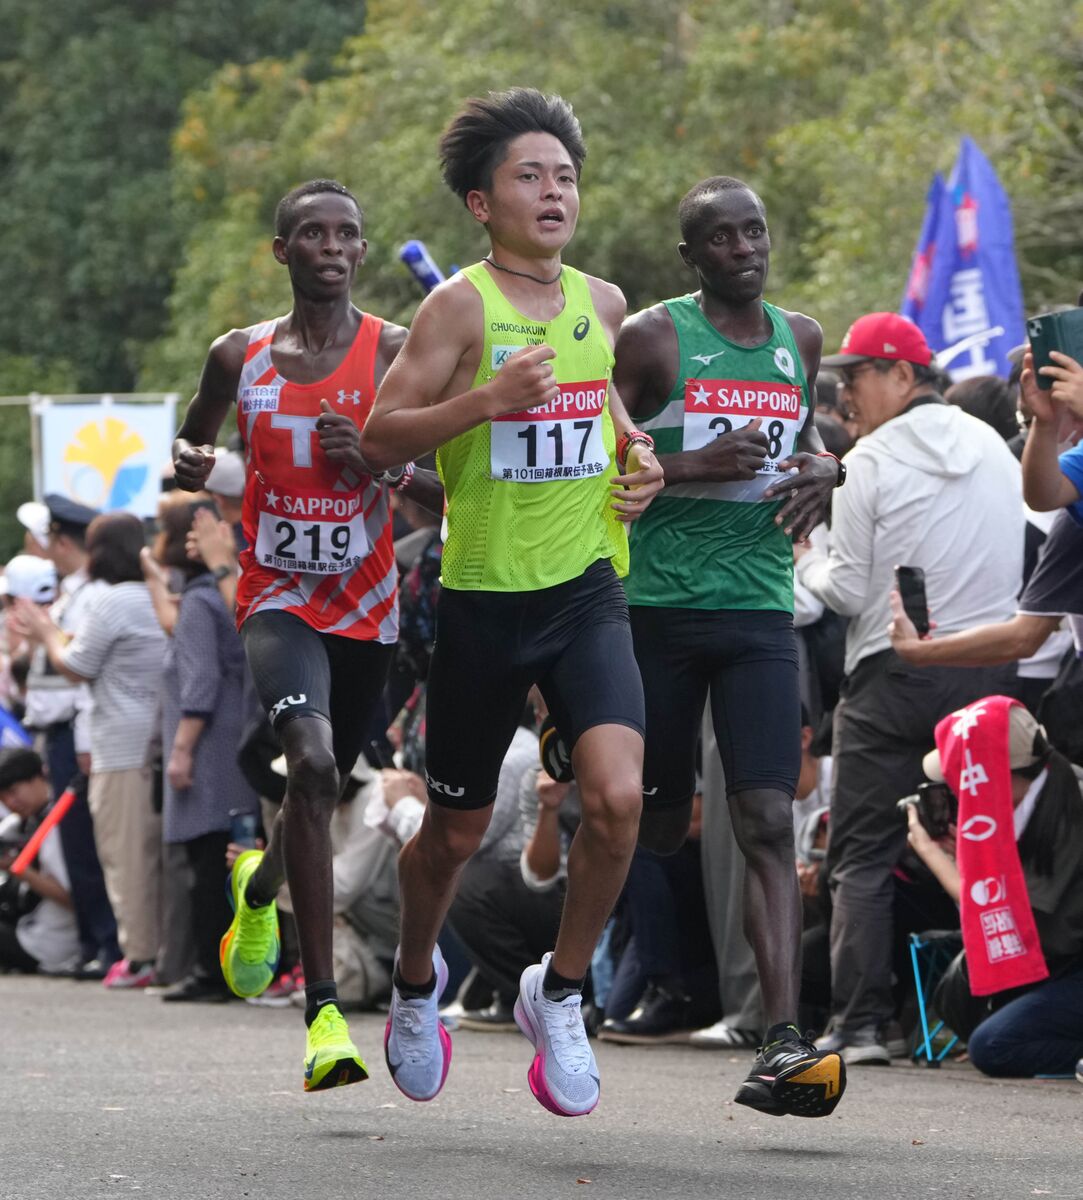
(558, 440)
(713, 407)
(310, 530)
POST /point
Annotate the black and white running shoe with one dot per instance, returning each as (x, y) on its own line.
(791, 1077)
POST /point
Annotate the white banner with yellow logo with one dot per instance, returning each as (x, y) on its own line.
(107, 455)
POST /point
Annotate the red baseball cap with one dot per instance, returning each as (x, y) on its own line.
(881, 335)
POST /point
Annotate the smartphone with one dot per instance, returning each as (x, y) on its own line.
(243, 827)
(911, 584)
(1061, 331)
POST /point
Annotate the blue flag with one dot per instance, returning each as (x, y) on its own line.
(963, 291)
(11, 732)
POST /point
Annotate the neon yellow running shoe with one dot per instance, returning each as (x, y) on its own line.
(331, 1059)
(250, 947)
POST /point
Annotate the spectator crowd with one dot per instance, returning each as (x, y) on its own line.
(124, 683)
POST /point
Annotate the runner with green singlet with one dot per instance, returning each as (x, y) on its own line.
(723, 381)
(716, 545)
(507, 371)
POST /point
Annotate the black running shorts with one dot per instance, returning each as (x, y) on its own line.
(572, 640)
(747, 662)
(301, 673)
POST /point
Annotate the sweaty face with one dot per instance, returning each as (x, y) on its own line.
(729, 245)
(325, 246)
(533, 204)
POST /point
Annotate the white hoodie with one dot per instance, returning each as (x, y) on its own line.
(933, 488)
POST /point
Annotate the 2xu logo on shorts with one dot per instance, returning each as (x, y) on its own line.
(444, 789)
(284, 703)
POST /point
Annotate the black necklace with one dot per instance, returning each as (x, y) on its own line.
(522, 274)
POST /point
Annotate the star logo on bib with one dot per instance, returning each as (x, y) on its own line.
(701, 395)
(272, 499)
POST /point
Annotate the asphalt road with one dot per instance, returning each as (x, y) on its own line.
(108, 1094)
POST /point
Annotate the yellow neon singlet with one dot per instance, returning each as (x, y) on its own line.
(528, 494)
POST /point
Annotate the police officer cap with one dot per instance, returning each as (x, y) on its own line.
(70, 512)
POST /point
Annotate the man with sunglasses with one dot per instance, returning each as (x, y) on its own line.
(927, 486)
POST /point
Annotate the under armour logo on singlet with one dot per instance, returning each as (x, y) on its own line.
(343, 396)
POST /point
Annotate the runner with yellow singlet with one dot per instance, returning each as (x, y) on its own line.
(507, 370)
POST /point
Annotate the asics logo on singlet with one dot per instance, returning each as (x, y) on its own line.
(444, 789)
(582, 328)
(343, 396)
(287, 702)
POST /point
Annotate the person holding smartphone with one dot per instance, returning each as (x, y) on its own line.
(1053, 455)
(928, 487)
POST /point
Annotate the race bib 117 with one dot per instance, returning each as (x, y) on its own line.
(559, 440)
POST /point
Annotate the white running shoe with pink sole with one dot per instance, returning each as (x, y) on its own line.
(417, 1047)
(564, 1075)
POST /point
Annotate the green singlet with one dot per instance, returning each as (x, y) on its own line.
(528, 494)
(716, 545)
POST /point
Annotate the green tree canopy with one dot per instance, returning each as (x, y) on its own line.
(143, 147)
(90, 95)
(838, 112)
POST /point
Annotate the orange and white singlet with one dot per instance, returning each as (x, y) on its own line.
(318, 535)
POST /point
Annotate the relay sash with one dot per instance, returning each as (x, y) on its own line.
(999, 933)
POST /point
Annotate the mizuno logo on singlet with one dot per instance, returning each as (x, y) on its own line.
(707, 359)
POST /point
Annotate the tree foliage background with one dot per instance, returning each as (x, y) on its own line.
(143, 146)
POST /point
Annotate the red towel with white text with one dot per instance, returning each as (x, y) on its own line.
(999, 933)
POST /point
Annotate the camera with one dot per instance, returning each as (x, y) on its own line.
(556, 758)
(937, 808)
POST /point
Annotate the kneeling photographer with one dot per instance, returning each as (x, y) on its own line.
(1015, 992)
(39, 932)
